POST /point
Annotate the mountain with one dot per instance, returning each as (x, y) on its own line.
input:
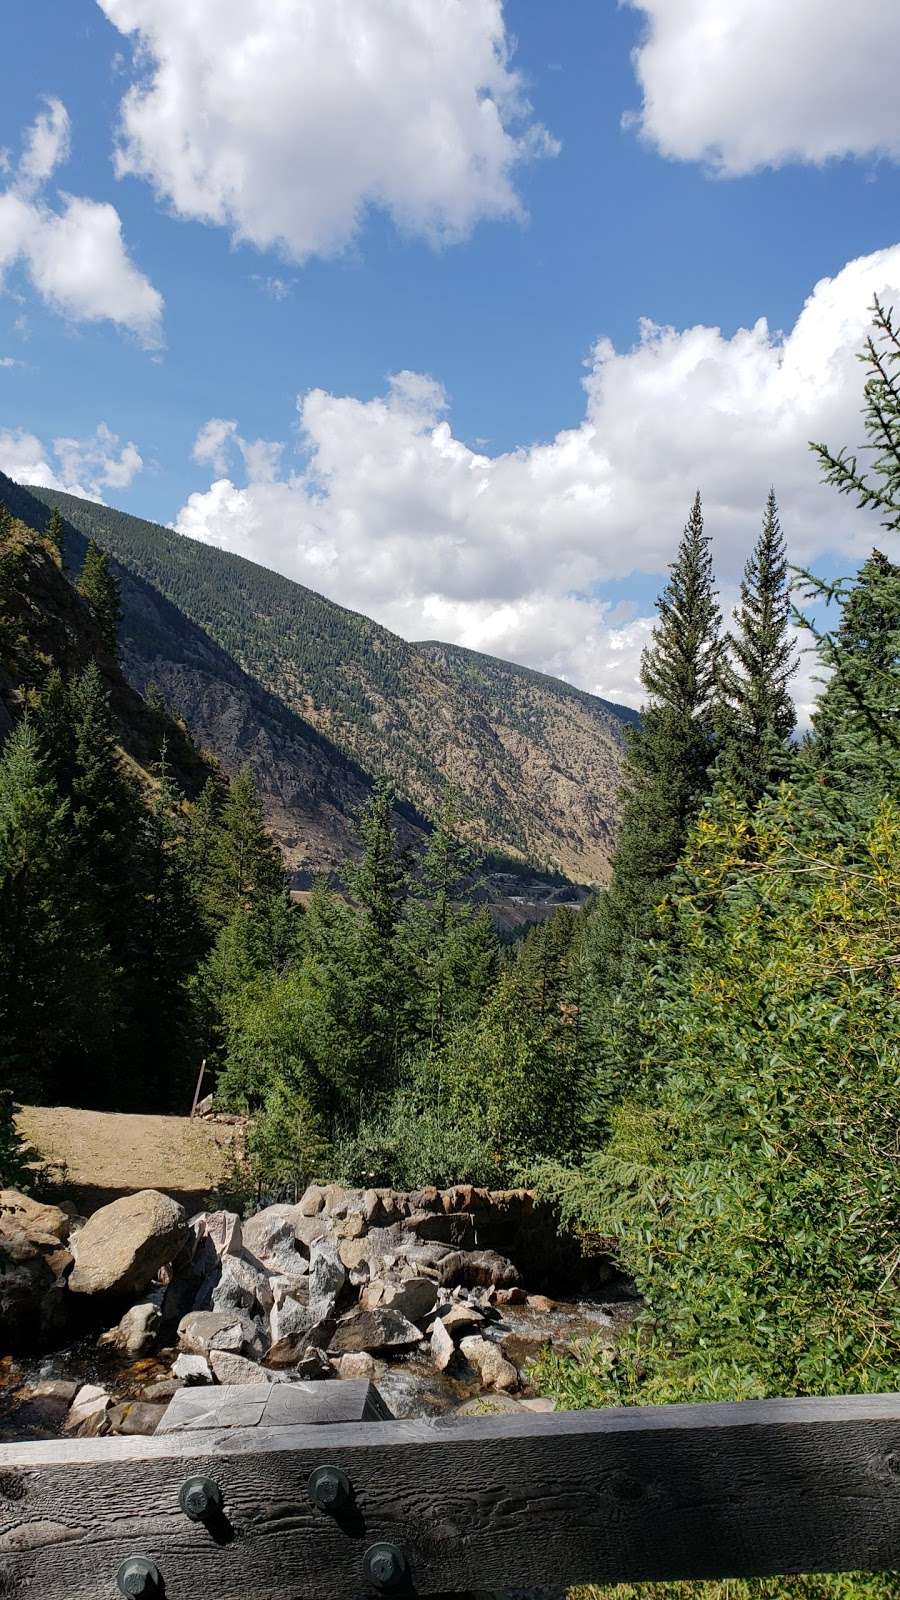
(45, 624)
(318, 698)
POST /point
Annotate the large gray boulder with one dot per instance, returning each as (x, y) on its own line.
(415, 1298)
(490, 1363)
(373, 1330)
(327, 1277)
(202, 1331)
(137, 1331)
(123, 1245)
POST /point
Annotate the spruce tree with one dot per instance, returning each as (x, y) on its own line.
(758, 712)
(668, 759)
(247, 868)
(36, 926)
(379, 887)
(452, 951)
(55, 532)
(99, 586)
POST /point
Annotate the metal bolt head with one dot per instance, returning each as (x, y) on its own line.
(199, 1498)
(329, 1488)
(138, 1576)
(385, 1565)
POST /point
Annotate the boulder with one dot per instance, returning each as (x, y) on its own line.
(241, 1285)
(457, 1228)
(489, 1361)
(510, 1297)
(327, 1277)
(414, 1298)
(192, 1369)
(123, 1245)
(229, 1368)
(293, 1328)
(461, 1318)
(471, 1269)
(270, 1230)
(313, 1366)
(87, 1413)
(312, 1201)
(164, 1388)
(442, 1346)
(137, 1331)
(520, 1348)
(46, 1227)
(135, 1417)
(540, 1302)
(224, 1230)
(373, 1330)
(357, 1364)
(34, 1255)
(202, 1331)
(56, 1389)
(309, 1230)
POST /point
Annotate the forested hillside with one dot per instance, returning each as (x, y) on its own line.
(535, 762)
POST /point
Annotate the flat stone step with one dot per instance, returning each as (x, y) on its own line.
(273, 1405)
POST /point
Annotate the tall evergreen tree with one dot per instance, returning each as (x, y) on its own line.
(247, 868)
(758, 712)
(99, 586)
(379, 886)
(55, 531)
(452, 956)
(35, 901)
(668, 759)
(6, 521)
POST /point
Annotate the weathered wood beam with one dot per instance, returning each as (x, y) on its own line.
(476, 1504)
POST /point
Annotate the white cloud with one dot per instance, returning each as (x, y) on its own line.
(74, 254)
(757, 83)
(285, 120)
(85, 467)
(10, 361)
(394, 516)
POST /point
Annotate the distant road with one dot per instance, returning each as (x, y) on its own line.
(106, 1154)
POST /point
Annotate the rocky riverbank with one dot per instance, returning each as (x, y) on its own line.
(425, 1293)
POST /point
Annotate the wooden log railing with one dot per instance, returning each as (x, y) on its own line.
(467, 1504)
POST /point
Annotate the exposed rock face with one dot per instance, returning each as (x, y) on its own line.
(123, 1245)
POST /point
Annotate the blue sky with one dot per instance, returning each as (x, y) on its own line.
(452, 504)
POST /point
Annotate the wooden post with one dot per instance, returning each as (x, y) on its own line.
(197, 1090)
(494, 1503)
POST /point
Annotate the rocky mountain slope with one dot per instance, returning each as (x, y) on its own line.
(319, 698)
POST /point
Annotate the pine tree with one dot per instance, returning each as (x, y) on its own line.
(379, 887)
(55, 531)
(758, 712)
(35, 927)
(854, 756)
(247, 869)
(452, 954)
(6, 521)
(100, 588)
(668, 760)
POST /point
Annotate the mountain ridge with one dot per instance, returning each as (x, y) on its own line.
(534, 761)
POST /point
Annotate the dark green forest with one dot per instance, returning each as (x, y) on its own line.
(703, 1062)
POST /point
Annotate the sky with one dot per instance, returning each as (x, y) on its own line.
(446, 308)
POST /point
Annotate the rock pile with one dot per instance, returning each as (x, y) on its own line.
(338, 1284)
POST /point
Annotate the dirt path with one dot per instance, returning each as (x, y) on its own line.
(104, 1154)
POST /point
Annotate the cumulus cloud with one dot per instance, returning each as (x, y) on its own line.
(286, 120)
(393, 515)
(74, 253)
(757, 83)
(86, 467)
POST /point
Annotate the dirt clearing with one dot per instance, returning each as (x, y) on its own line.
(103, 1154)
